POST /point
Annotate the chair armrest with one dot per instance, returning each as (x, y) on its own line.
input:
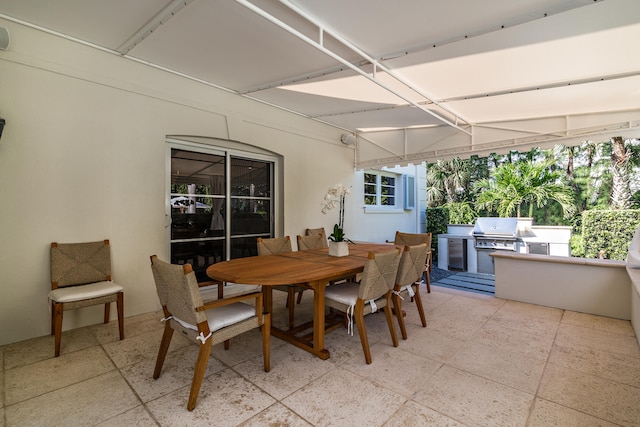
(227, 301)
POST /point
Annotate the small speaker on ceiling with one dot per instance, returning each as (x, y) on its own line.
(348, 139)
(4, 38)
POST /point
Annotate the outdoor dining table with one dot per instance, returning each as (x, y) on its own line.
(312, 269)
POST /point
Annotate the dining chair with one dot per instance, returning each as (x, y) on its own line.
(318, 231)
(408, 282)
(310, 242)
(81, 277)
(412, 239)
(276, 246)
(203, 324)
(307, 243)
(372, 293)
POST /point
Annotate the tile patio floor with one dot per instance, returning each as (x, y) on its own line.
(481, 361)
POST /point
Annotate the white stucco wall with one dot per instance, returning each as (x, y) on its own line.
(83, 157)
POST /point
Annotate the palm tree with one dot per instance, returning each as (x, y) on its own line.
(447, 181)
(514, 184)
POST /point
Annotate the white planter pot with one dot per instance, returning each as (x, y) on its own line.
(338, 248)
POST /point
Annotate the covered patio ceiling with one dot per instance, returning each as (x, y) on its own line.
(413, 80)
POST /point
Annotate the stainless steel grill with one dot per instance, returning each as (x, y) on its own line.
(494, 234)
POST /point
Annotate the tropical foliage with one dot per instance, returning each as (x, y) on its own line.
(524, 183)
(551, 186)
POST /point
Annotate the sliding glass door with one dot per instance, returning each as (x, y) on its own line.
(220, 203)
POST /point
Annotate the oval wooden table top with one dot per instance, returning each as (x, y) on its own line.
(294, 267)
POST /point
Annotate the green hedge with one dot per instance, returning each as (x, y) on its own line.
(437, 220)
(608, 233)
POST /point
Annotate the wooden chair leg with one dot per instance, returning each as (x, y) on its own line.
(164, 348)
(120, 307)
(198, 373)
(362, 330)
(299, 297)
(266, 342)
(291, 297)
(392, 326)
(397, 308)
(427, 280)
(227, 344)
(53, 318)
(58, 310)
(418, 299)
(107, 312)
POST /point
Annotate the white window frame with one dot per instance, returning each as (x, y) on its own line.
(378, 208)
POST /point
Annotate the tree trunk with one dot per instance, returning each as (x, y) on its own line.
(621, 190)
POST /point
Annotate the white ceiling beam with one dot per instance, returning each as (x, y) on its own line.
(168, 12)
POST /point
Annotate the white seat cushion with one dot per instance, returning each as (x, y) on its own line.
(224, 316)
(83, 292)
(228, 315)
(344, 293)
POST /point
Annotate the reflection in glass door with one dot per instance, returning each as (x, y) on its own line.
(203, 185)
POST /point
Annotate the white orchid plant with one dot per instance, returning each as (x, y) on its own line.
(335, 197)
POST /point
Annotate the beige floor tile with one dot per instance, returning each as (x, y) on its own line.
(494, 335)
(86, 403)
(435, 345)
(394, 368)
(133, 326)
(548, 313)
(276, 415)
(461, 317)
(291, 369)
(580, 337)
(136, 417)
(534, 325)
(474, 400)
(141, 347)
(549, 414)
(413, 414)
(242, 347)
(28, 381)
(41, 348)
(618, 367)
(497, 364)
(226, 399)
(435, 298)
(177, 372)
(600, 323)
(593, 395)
(461, 327)
(472, 304)
(343, 398)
